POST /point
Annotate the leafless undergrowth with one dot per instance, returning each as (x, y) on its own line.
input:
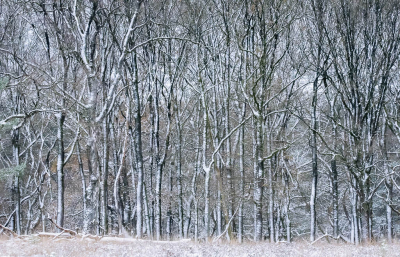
(107, 246)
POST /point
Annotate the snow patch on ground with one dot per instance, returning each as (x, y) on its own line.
(35, 246)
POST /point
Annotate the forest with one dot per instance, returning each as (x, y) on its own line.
(209, 120)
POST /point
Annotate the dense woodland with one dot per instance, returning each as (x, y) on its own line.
(245, 120)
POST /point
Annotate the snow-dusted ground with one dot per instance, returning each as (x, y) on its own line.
(76, 247)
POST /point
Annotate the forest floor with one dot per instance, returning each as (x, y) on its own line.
(42, 247)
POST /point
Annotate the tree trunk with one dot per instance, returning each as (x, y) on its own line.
(169, 212)
(149, 228)
(16, 185)
(335, 196)
(206, 181)
(389, 197)
(217, 165)
(271, 206)
(89, 219)
(104, 178)
(179, 177)
(287, 205)
(388, 182)
(82, 174)
(241, 185)
(197, 168)
(271, 202)
(355, 221)
(314, 161)
(159, 170)
(259, 181)
(138, 149)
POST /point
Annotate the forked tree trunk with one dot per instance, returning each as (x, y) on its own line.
(138, 149)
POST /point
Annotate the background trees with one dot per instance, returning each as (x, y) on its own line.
(219, 119)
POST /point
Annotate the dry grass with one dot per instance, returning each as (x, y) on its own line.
(35, 246)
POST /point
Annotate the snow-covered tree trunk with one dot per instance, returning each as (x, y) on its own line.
(138, 148)
(104, 178)
(16, 184)
(388, 180)
(241, 183)
(207, 172)
(60, 169)
(178, 159)
(314, 182)
(259, 180)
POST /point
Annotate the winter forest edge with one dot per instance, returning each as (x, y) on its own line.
(254, 120)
